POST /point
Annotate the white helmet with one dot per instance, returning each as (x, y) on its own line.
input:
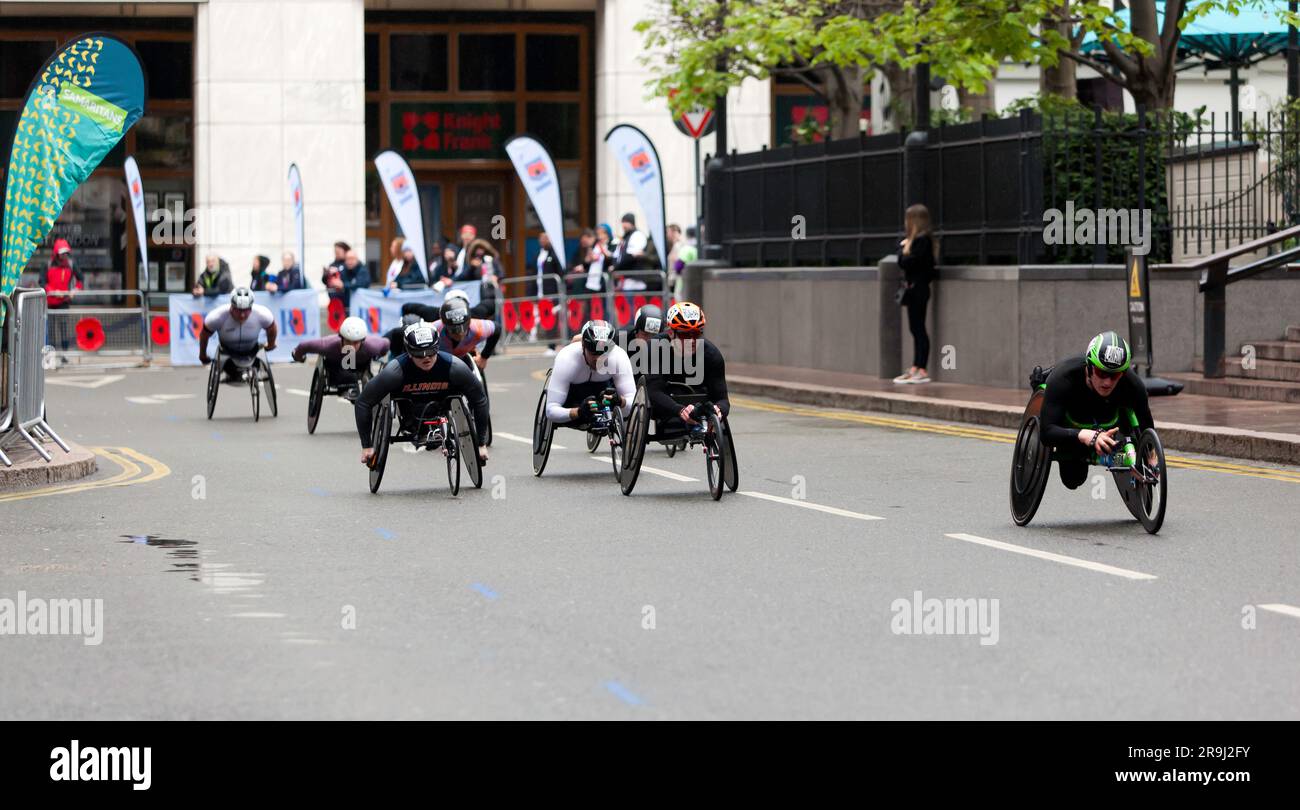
(241, 298)
(457, 293)
(353, 329)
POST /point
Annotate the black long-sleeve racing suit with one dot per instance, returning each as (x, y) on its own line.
(1071, 405)
(706, 373)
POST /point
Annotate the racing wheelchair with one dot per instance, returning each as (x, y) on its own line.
(443, 424)
(321, 388)
(1142, 486)
(716, 440)
(254, 369)
(606, 422)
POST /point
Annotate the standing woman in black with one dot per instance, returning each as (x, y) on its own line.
(916, 257)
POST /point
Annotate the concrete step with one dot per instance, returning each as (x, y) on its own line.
(1279, 370)
(1293, 333)
(1239, 388)
(1277, 350)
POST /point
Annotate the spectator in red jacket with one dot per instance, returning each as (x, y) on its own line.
(61, 278)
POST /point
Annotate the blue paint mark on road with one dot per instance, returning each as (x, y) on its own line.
(485, 590)
(318, 491)
(171, 417)
(216, 435)
(385, 533)
(622, 693)
(268, 457)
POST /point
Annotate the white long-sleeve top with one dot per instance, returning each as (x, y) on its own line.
(571, 368)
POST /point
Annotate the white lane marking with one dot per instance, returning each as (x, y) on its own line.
(409, 448)
(512, 437)
(257, 615)
(94, 382)
(144, 401)
(172, 396)
(830, 510)
(604, 459)
(1285, 610)
(296, 392)
(1047, 555)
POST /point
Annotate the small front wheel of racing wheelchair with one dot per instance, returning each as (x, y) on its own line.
(1031, 464)
(380, 436)
(1144, 486)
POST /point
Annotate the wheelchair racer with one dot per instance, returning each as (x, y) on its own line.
(1092, 402)
(237, 325)
(696, 368)
(584, 372)
(417, 379)
(347, 354)
(461, 335)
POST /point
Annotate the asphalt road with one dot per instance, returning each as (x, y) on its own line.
(247, 572)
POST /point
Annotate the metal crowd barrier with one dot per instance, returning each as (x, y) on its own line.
(7, 355)
(101, 330)
(28, 391)
(556, 317)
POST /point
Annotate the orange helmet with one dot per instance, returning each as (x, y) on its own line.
(685, 319)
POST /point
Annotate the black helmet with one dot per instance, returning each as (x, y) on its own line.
(455, 315)
(649, 318)
(410, 318)
(419, 339)
(597, 336)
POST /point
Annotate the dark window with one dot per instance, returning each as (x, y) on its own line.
(8, 122)
(372, 130)
(20, 61)
(557, 126)
(164, 142)
(372, 63)
(417, 62)
(487, 62)
(552, 62)
(169, 68)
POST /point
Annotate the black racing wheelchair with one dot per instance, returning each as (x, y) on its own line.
(254, 369)
(715, 439)
(606, 423)
(1142, 486)
(321, 387)
(439, 424)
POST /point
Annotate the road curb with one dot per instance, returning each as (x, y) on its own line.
(1280, 448)
(30, 470)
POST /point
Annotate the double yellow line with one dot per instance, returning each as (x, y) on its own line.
(130, 473)
(1006, 437)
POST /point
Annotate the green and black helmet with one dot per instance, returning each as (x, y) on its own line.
(1110, 353)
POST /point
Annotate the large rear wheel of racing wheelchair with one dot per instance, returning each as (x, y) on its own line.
(316, 398)
(262, 372)
(543, 432)
(1145, 487)
(214, 382)
(637, 434)
(380, 437)
(1031, 464)
(461, 425)
(731, 472)
(487, 433)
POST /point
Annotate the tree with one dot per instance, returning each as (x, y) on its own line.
(706, 47)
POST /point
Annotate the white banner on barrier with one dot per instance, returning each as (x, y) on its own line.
(383, 312)
(295, 199)
(297, 317)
